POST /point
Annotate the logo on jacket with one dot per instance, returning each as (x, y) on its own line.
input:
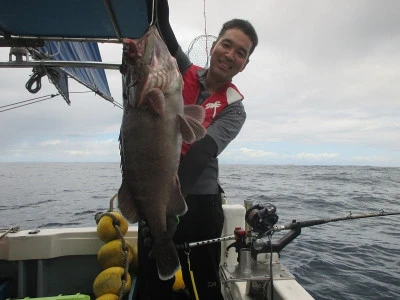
(214, 106)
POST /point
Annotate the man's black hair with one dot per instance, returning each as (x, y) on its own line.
(245, 27)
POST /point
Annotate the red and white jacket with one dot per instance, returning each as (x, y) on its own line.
(214, 104)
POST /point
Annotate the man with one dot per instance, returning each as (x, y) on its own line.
(198, 170)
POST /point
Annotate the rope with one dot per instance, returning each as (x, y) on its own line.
(31, 101)
(124, 247)
(36, 78)
(112, 201)
(9, 230)
(192, 277)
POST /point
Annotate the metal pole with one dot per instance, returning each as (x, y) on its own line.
(61, 64)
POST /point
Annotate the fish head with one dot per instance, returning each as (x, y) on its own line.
(147, 64)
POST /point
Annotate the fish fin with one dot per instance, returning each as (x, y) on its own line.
(177, 204)
(154, 101)
(197, 112)
(191, 129)
(166, 257)
(187, 132)
(126, 204)
(195, 115)
(198, 128)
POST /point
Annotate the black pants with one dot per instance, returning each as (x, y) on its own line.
(204, 220)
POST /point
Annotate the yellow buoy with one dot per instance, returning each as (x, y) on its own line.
(108, 297)
(109, 281)
(179, 284)
(112, 254)
(106, 230)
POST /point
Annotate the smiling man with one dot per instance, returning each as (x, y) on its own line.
(229, 55)
(213, 89)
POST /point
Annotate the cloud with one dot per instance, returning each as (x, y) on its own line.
(314, 156)
(372, 159)
(251, 153)
(321, 87)
(246, 155)
(51, 143)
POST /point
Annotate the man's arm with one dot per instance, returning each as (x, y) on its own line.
(195, 161)
(161, 20)
(165, 29)
(220, 133)
(227, 125)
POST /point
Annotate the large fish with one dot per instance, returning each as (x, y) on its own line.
(154, 123)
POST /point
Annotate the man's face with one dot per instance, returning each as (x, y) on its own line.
(229, 55)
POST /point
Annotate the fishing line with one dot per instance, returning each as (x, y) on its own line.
(205, 28)
(23, 101)
(31, 101)
(117, 104)
(44, 98)
(154, 19)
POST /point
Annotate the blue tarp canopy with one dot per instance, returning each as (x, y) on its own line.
(68, 30)
(94, 79)
(97, 19)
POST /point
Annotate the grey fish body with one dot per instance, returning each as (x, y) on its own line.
(153, 127)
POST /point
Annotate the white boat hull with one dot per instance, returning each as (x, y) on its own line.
(64, 261)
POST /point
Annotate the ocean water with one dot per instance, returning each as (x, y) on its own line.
(357, 259)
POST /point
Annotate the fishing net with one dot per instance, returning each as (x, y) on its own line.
(199, 50)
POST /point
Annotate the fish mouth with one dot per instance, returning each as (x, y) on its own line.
(136, 63)
(152, 68)
(140, 50)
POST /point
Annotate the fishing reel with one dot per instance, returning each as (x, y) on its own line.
(261, 217)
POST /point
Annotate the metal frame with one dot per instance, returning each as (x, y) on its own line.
(66, 64)
(61, 64)
(57, 39)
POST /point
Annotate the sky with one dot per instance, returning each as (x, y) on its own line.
(321, 88)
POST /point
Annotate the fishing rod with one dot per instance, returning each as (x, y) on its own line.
(262, 218)
(249, 244)
(310, 223)
(201, 243)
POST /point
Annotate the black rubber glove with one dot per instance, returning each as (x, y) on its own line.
(162, 23)
(195, 161)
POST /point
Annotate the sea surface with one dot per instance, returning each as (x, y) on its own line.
(355, 259)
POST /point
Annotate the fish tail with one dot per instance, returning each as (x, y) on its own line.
(167, 260)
